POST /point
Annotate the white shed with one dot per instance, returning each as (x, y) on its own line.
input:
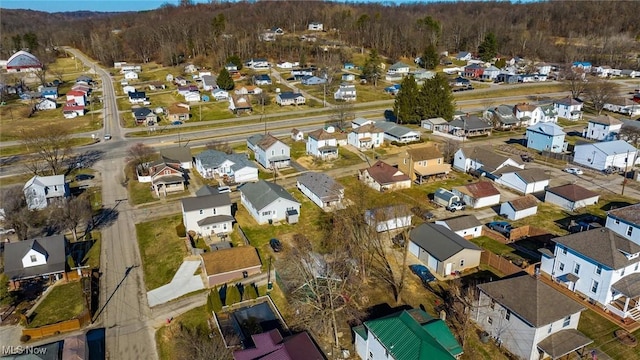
(519, 208)
(478, 195)
(600, 156)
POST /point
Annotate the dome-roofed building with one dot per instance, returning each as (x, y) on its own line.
(23, 61)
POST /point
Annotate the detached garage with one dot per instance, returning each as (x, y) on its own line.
(519, 208)
(223, 266)
(571, 197)
(478, 195)
(526, 181)
(443, 251)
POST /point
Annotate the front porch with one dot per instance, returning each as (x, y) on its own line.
(626, 297)
(433, 172)
(328, 152)
(164, 185)
(279, 162)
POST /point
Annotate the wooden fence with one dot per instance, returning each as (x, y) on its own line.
(499, 263)
(61, 327)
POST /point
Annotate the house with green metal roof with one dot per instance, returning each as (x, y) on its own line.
(406, 335)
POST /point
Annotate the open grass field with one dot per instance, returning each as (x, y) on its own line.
(161, 249)
(511, 91)
(64, 302)
(600, 330)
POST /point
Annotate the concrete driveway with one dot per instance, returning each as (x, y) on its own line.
(183, 282)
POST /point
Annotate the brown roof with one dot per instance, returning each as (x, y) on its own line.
(572, 192)
(478, 190)
(369, 128)
(524, 202)
(525, 107)
(424, 153)
(531, 300)
(384, 173)
(178, 109)
(267, 141)
(630, 214)
(321, 134)
(462, 222)
(605, 120)
(232, 259)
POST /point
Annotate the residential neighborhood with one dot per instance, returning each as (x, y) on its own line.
(357, 181)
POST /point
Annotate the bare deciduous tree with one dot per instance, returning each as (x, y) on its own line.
(140, 153)
(630, 133)
(220, 146)
(341, 113)
(574, 80)
(599, 92)
(73, 214)
(195, 344)
(50, 143)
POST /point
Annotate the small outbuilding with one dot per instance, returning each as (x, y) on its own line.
(225, 265)
(519, 208)
(478, 195)
(571, 197)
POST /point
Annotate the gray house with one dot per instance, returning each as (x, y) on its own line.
(208, 213)
(443, 251)
(40, 257)
(269, 152)
(41, 191)
(268, 202)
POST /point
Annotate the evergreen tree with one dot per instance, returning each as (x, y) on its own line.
(406, 101)
(216, 302)
(435, 99)
(430, 57)
(488, 49)
(501, 63)
(371, 70)
(235, 60)
(233, 295)
(225, 82)
(250, 292)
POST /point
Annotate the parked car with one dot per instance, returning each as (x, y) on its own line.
(224, 189)
(454, 206)
(276, 245)
(502, 227)
(423, 273)
(107, 136)
(82, 177)
(176, 122)
(574, 171)
(422, 213)
(526, 157)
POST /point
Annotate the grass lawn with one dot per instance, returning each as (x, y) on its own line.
(15, 179)
(92, 258)
(64, 302)
(546, 218)
(606, 203)
(139, 193)
(499, 248)
(600, 330)
(259, 235)
(511, 91)
(566, 122)
(161, 250)
(21, 149)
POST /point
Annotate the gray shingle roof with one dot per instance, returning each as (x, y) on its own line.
(321, 185)
(53, 247)
(462, 222)
(630, 214)
(215, 220)
(563, 342)
(205, 202)
(439, 241)
(531, 300)
(263, 193)
(176, 154)
(470, 123)
(603, 246)
(489, 159)
(215, 158)
(392, 128)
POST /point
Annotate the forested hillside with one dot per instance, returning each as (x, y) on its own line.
(606, 32)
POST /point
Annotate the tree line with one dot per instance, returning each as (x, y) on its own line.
(208, 33)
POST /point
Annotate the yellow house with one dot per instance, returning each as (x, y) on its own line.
(422, 163)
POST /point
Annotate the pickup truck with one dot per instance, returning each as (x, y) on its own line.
(454, 206)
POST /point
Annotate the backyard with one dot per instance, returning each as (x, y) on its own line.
(161, 249)
(600, 330)
(64, 302)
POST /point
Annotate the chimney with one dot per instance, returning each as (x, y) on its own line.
(443, 315)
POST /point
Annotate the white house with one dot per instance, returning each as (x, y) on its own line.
(128, 88)
(131, 75)
(443, 251)
(346, 92)
(268, 202)
(406, 335)
(269, 152)
(236, 168)
(44, 257)
(571, 196)
(398, 133)
(399, 68)
(321, 189)
(528, 114)
(463, 56)
(529, 318)
(41, 191)
(599, 264)
(220, 94)
(519, 208)
(208, 213)
(384, 177)
(290, 98)
(297, 135)
(603, 155)
(467, 226)
(287, 65)
(46, 104)
(209, 82)
(490, 73)
(478, 195)
(366, 137)
(357, 122)
(527, 181)
(323, 144)
(623, 106)
(315, 26)
(602, 128)
(550, 114)
(568, 108)
(258, 64)
(389, 217)
(192, 97)
(482, 159)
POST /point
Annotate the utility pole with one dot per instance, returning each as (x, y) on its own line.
(626, 167)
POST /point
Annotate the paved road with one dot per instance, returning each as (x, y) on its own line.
(126, 314)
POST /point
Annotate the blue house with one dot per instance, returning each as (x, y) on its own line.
(393, 89)
(349, 66)
(507, 78)
(546, 137)
(312, 80)
(49, 92)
